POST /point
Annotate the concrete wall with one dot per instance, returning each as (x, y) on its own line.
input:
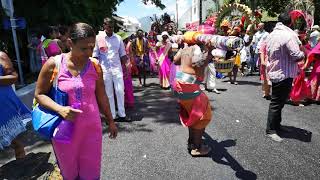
(185, 18)
(26, 94)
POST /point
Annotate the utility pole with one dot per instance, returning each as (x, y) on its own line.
(9, 10)
(200, 11)
(177, 15)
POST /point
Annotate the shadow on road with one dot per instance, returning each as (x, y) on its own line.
(31, 167)
(249, 83)
(30, 140)
(155, 103)
(222, 89)
(296, 133)
(220, 155)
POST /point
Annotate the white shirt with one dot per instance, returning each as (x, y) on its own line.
(258, 36)
(245, 54)
(110, 60)
(314, 38)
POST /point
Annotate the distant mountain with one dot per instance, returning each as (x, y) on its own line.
(145, 23)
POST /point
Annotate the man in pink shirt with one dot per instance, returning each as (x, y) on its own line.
(283, 54)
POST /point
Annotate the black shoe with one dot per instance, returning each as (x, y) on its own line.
(268, 97)
(283, 129)
(124, 119)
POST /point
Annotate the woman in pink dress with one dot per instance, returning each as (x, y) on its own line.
(49, 44)
(82, 79)
(152, 52)
(127, 79)
(314, 79)
(163, 61)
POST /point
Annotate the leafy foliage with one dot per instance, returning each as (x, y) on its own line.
(64, 11)
(316, 11)
(155, 2)
(43, 12)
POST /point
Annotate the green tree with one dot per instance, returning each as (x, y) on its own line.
(316, 11)
(40, 12)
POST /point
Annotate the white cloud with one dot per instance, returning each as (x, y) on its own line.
(183, 5)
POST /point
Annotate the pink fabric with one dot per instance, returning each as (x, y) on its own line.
(152, 57)
(263, 69)
(43, 55)
(53, 49)
(82, 157)
(101, 41)
(314, 79)
(173, 70)
(300, 90)
(127, 80)
(128, 88)
(164, 70)
(206, 29)
(313, 52)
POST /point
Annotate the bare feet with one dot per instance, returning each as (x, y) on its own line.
(18, 149)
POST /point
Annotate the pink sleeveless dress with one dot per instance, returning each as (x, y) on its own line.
(82, 157)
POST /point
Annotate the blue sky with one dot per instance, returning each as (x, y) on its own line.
(135, 8)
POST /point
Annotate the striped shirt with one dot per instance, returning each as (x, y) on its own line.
(283, 53)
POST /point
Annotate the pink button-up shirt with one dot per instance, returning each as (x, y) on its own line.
(283, 53)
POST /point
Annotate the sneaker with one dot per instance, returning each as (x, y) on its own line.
(216, 91)
(275, 137)
(202, 151)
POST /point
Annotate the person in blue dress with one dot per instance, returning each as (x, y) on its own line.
(13, 112)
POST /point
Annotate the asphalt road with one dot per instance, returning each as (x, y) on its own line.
(153, 146)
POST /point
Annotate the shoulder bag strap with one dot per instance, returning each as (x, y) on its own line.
(57, 62)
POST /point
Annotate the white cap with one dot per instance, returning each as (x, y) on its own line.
(165, 33)
(315, 27)
(175, 46)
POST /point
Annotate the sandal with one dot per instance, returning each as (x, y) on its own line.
(204, 150)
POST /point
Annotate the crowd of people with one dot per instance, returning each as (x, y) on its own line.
(96, 72)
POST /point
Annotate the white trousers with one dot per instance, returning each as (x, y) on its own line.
(210, 76)
(114, 83)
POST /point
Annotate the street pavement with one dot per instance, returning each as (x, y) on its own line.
(153, 146)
